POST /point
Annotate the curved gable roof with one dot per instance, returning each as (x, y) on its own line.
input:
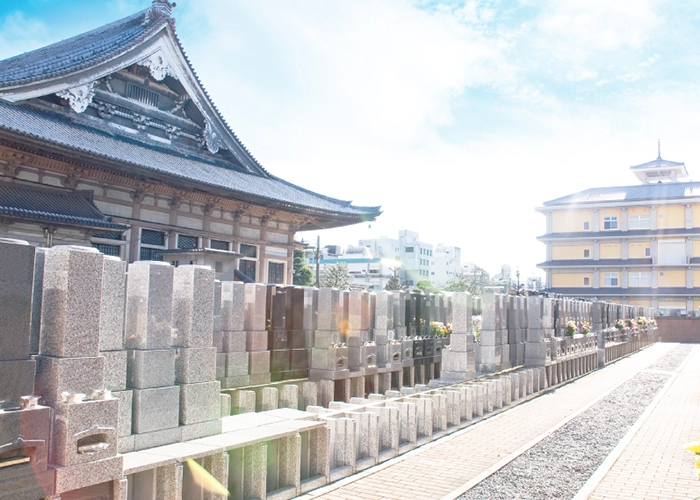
(92, 55)
(79, 52)
(95, 54)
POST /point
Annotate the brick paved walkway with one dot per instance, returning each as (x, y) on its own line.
(654, 464)
(441, 468)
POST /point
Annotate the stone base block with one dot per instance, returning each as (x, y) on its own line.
(17, 380)
(323, 339)
(115, 370)
(220, 365)
(126, 402)
(225, 401)
(369, 370)
(243, 402)
(277, 339)
(256, 340)
(279, 361)
(195, 364)
(29, 487)
(296, 339)
(57, 375)
(235, 341)
(451, 377)
(458, 361)
(329, 359)
(156, 409)
(259, 362)
(328, 374)
(535, 354)
(88, 474)
(31, 424)
(519, 354)
(492, 337)
(201, 429)
(218, 335)
(491, 359)
(155, 368)
(157, 438)
(299, 359)
(383, 354)
(534, 335)
(461, 342)
(234, 382)
(199, 402)
(259, 378)
(84, 432)
(125, 444)
(356, 338)
(237, 364)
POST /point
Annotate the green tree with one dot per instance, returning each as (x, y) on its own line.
(459, 285)
(426, 286)
(336, 276)
(303, 276)
(474, 285)
(394, 283)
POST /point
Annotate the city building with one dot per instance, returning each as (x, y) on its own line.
(368, 271)
(534, 284)
(415, 256)
(109, 139)
(504, 278)
(635, 244)
(446, 265)
(472, 271)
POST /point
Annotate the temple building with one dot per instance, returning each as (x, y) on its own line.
(632, 244)
(109, 139)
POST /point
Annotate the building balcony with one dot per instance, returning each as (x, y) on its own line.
(590, 263)
(617, 263)
(660, 292)
(617, 234)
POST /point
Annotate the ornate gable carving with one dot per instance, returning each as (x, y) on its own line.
(212, 138)
(158, 66)
(79, 97)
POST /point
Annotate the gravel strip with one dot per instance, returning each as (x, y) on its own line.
(559, 465)
(673, 359)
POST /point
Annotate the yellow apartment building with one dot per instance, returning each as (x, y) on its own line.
(630, 244)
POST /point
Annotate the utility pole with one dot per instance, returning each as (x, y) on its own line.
(318, 261)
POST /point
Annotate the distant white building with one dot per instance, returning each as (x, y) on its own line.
(373, 261)
(415, 256)
(367, 270)
(534, 284)
(505, 277)
(470, 271)
(446, 265)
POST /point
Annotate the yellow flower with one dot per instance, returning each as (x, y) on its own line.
(693, 447)
(203, 478)
(697, 463)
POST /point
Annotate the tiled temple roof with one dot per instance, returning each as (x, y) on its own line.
(54, 128)
(67, 207)
(79, 52)
(106, 43)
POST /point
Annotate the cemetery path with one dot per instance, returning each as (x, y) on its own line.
(654, 464)
(653, 459)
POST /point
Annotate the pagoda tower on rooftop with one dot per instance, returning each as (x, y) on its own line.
(660, 170)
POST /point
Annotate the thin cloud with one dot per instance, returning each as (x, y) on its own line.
(457, 117)
(21, 34)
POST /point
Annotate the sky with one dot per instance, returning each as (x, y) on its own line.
(458, 117)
